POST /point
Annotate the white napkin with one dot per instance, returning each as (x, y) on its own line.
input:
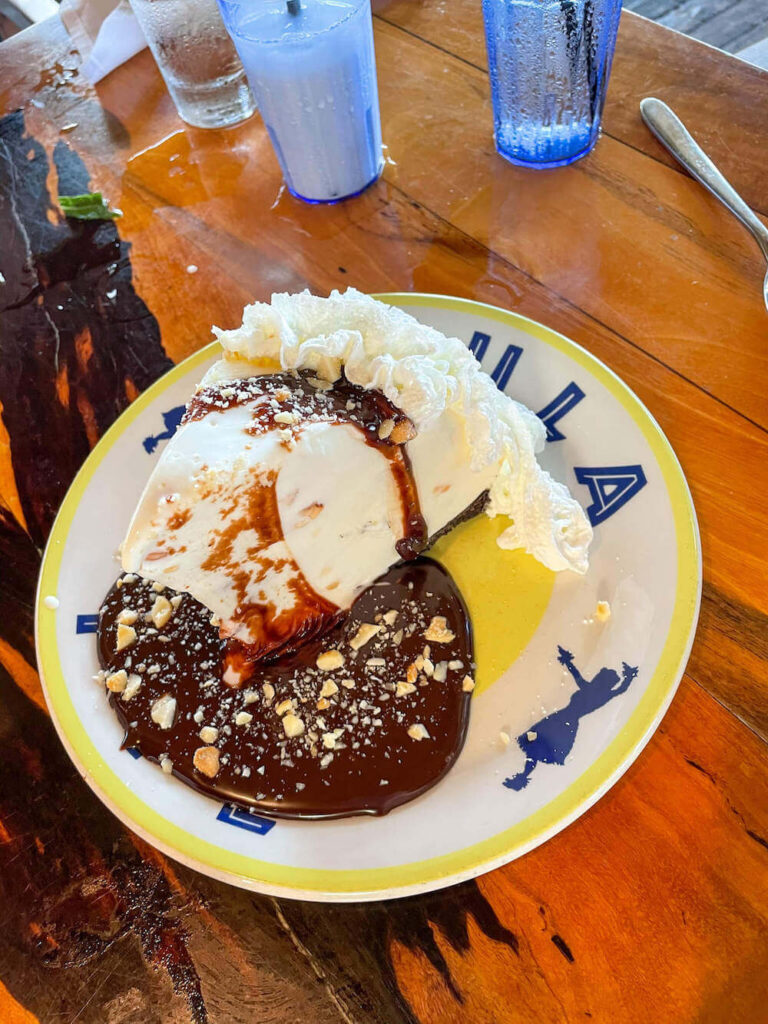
(105, 32)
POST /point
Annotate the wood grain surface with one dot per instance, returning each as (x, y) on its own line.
(654, 905)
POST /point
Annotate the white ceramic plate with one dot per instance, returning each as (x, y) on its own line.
(575, 698)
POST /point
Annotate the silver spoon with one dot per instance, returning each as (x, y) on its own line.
(672, 133)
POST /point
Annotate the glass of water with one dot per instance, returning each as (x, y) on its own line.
(197, 60)
(549, 62)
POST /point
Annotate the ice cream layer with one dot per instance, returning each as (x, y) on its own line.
(272, 526)
(439, 384)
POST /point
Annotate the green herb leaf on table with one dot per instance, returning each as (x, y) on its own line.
(88, 206)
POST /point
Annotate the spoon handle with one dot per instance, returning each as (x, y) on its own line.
(672, 133)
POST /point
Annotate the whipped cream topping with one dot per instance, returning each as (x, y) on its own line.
(436, 381)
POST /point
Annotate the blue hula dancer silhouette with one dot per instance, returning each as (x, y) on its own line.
(553, 737)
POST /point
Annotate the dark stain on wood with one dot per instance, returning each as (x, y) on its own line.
(358, 939)
(76, 341)
(560, 944)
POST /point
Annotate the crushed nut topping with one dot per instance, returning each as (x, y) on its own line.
(245, 718)
(364, 635)
(206, 761)
(437, 631)
(418, 732)
(329, 660)
(132, 688)
(117, 681)
(603, 611)
(385, 429)
(293, 726)
(329, 688)
(126, 636)
(403, 431)
(127, 617)
(468, 684)
(402, 689)
(208, 734)
(163, 711)
(161, 612)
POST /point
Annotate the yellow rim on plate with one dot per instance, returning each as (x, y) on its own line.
(401, 879)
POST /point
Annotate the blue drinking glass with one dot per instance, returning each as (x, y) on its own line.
(549, 63)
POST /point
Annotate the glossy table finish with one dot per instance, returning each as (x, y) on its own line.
(654, 905)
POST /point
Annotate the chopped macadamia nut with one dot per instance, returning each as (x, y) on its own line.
(285, 417)
(132, 688)
(293, 726)
(455, 665)
(402, 689)
(126, 635)
(323, 704)
(283, 706)
(329, 688)
(117, 681)
(418, 732)
(206, 761)
(505, 738)
(127, 616)
(158, 588)
(397, 638)
(531, 736)
(386, 428)
(161, 611)
(412, 673)
(163, 711)
(441, 672)
(437, 631)
(243, 718)
(166, 764)
(390, 617)
(402, 432)
(348, 684)
(208, 734)
(329, 660)
(250, 696)
(468, 684)
(329, 740)
(268, 690)
(176, 601)
(603, 611)
(365, 633)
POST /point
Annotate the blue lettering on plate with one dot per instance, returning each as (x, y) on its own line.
(505, 366)
(557, 408)
(232, 815)
(171, 420)
(479, 345)
(551, 740)
(611, 487)
(87, 623)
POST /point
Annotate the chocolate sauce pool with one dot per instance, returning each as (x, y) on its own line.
(378, 707)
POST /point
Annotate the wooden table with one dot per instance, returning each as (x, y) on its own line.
(651, 907)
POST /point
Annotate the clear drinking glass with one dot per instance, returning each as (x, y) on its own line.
(549, 62)
(197, 60)
(312, 69)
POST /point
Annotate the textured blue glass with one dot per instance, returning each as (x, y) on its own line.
(549, 62)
